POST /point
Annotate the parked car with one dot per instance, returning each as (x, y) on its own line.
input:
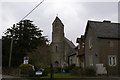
(38, 73)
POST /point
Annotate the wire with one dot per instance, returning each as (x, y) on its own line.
(32, 10)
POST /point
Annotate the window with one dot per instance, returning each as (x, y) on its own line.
(56, 64)
(111, 44)
(65, 56)
(83, 45)
(112, 60)
(71, 61)
(56, 49)
(90, 44)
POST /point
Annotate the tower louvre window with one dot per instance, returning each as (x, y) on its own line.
(56, 49)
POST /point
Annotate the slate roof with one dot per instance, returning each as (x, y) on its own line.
(105, 29)
(70, 43)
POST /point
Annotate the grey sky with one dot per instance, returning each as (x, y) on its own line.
(73, 13)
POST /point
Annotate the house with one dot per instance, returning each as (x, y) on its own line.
(102, 43)
(61, 47)
(77, 57)
(81, 51)
(73, 57)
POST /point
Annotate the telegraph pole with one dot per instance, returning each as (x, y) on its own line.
(10, 52)
(11, 47)
(10, 57)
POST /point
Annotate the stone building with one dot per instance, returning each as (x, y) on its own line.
(81, 51)
(61, 47)
(73, 57)
(102, 41)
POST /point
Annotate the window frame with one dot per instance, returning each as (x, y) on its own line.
(112, 60)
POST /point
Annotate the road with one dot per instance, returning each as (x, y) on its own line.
(6, 77)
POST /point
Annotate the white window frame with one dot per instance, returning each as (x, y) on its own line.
(112, 60)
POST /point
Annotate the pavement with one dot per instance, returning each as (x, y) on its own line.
(8, 77)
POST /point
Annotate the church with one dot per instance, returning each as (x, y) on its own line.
(61, 47)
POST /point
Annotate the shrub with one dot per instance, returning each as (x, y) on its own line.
(46, 71)
(70, 67)
(90, 71)
(77, 71)
(26, 70)
(57, 70)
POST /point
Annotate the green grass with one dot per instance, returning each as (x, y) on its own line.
(62, 75)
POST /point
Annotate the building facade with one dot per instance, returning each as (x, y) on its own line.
(81, 51)
(61, 47)
(102, 46)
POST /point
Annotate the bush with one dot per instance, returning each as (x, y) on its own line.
(77, 71)
(90, 71)
(46, 71)
(57, 70)
(70, 67)
(26, 70)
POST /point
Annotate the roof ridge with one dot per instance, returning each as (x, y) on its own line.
(69, 42)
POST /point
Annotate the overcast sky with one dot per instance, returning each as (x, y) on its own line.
(73, 13)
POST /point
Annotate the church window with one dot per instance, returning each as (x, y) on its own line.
(65, 56)
(71, 61)
(56, 64)
(56, 49)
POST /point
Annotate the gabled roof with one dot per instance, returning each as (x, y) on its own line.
(70, 43)
(104, 29)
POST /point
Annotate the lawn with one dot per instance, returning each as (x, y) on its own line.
(62, 75)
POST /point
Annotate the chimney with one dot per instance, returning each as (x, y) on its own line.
(107, 21)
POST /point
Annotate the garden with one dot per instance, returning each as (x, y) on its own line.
(67, 72)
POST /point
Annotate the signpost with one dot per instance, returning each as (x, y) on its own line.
(26, 60)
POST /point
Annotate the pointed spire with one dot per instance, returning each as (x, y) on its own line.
(57, 20)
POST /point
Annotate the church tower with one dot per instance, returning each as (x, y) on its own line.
(57, 45)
